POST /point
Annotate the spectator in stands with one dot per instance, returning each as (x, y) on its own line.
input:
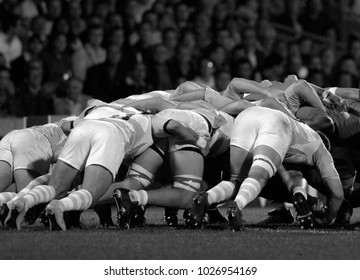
(57, 61)
(158, 75)
(19, 66)
(307, 49)
(251, 47)
(114, 20)
(6, 92)
(142, 48)
(242, 68)
(273, 68)
(354, 49)
(290, 18)
(219, 15)
(314, 18)
(10, 44)
(202, 31)
(206, 73)
(347, 80)
(188, 40)
(223, 38)
(248, 12)
(328, 64)
(38, 28)
(222, 80)
(182, 65)
(102, 11)
(54, 9)
(135, 81)
(348, 64)
(267, 35)
(74, 101)
(103, 81)
(170, 37)
(92, 53)
(182, 15)
(316, 77)
(218, 56)
(296, 66)
(33, 96)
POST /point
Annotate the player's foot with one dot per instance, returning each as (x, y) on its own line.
(123, 204)
(105, 217)
(17, 214)
(344, 215)
(171, 216)
(235, 219)
(137, 215)
(55, 216)
(195, 216)
(34, 213)
(213, 216)
(304, 214)
(280, 216)
(4, 211)
(73, 219)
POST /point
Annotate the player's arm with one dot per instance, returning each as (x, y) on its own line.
(349, 93)
(197, 94)
(67, 126)
(162, 127)
(273, 103)
(307, 93)
(335, 192)
(236, 107)
(239, 86)
(154, 104)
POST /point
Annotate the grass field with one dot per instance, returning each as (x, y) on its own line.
(156, 241)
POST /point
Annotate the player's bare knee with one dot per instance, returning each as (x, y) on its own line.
(140, 176)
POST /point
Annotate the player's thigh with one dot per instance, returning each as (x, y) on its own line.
(187, 162)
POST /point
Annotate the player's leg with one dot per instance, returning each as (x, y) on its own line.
(96, 181)
(187, 169)
(107, 150)
(140, 177)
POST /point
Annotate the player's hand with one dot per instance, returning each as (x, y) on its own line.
(335, 102)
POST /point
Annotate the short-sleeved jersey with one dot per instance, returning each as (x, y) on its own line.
(347, 124)
(220, 141)
(136, 127)
(305, 145)
(55, 136)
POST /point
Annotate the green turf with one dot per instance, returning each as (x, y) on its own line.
(156, 241)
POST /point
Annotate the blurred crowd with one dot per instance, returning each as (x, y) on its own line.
(57, 54)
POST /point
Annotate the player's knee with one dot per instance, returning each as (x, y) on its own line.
(140, 175)
(263, 166)
(188, 183)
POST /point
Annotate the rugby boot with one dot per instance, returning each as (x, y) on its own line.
(4, 211)
(104, 214)
(73, 219)
(213, 216)
(17, 214)
(123, 204)
(282, 216)
(304, 214)
(195, 216)
(171, 216)
(55, 216)
(234, 215)
(34, 213)
(137, 215)
(344, 215)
